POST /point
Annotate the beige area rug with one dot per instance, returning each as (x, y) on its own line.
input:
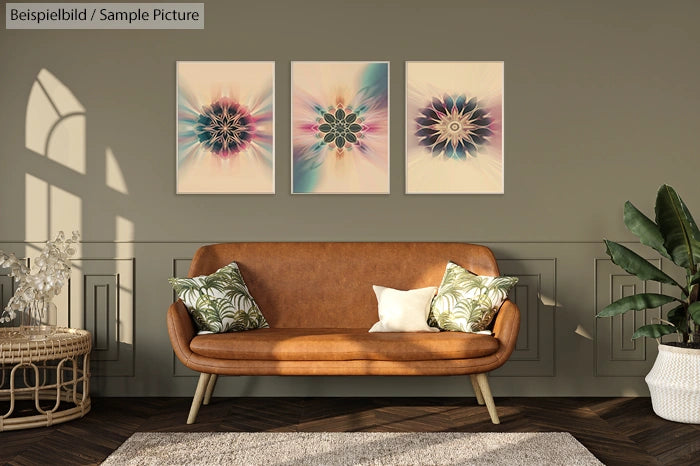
(352, 448)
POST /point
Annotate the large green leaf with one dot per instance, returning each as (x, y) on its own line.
(646, 230)
(694, 311)
(681, 236)
(654, 331)
(633, 263)
(694, 232)
(635, 302)
(678, 317)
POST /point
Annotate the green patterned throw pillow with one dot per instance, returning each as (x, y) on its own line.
(220, 302)
(466, 302)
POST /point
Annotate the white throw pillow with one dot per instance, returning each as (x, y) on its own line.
(403, 311)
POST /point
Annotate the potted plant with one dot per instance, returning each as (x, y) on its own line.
(674, 380)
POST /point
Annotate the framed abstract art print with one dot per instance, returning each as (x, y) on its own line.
(225, 127)
(454, 128)
(340, 127)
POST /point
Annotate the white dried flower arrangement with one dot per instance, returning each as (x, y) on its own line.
(36, 291)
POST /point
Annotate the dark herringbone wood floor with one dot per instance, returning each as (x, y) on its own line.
(619, 431)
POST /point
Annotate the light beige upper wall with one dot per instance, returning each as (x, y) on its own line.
(601, 106)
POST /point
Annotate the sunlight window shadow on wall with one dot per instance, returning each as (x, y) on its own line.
(59, 191)
(114, 178)
(55, 123)
(55, 129)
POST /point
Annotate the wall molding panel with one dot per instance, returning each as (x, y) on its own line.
(617, 355)
(534, 351)
(7, 289)
(7, 286)
(101, 300)
(180, 269)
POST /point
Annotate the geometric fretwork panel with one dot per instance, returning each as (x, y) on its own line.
(101, 300)
(535, 295)
(7, 290)
(616, 353)
(181, 268)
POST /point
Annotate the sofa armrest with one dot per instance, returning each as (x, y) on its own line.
(506, 327)
(181, 330)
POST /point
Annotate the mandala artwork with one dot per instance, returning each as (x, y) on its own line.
(340, 127)
(225, 127)
(454, 127)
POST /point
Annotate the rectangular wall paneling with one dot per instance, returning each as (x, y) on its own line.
(101, 300)
(535, 294)
(180, 269)
(617, 355)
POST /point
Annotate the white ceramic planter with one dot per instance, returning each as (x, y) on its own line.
(674, 383)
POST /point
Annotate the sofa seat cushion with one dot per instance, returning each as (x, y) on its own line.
(316, 344)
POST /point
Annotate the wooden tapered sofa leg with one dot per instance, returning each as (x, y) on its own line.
(210, 389)
(477, 390)
(483, 382)
(198, 396)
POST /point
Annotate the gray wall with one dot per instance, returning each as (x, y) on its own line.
(601, 106)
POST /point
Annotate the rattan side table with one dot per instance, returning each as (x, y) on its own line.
(54, 369)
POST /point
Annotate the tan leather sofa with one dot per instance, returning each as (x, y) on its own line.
(319, 302)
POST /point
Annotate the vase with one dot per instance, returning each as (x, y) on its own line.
(674, 384)
(34, 320)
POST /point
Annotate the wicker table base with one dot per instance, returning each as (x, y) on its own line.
(55, 368)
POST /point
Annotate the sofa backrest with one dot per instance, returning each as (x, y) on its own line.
(329, 285)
